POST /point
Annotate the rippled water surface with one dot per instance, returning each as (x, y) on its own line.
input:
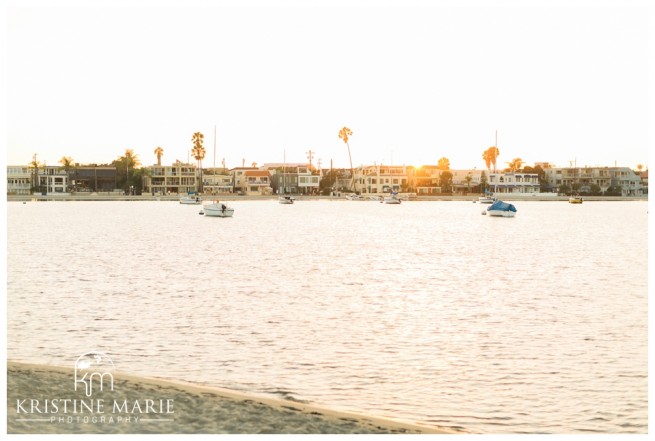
(424, 311)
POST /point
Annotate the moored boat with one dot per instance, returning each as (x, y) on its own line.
(392, 199)
(285, 200)
(575, 200)
(501, 209)
(190, 200)
(217, 209)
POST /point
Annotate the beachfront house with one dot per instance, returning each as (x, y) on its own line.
(377, 179)
(178, 178)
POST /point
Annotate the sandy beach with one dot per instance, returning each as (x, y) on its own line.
(42, 400)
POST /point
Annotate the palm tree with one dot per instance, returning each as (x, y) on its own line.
(66, 162)
(130, 159)
(344, 134)
(468, 178)
(493, 154)
(487, 159)
(198, 153)
(159, 152)
(443, 164)
(35, 165)
(515, 164)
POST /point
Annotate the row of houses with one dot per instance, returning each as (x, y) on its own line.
(181, 178)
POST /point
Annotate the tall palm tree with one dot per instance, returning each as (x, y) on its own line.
(198, 152)
(486, 157)
(130, 160)
(493, 154)
(67, 162)
(35, 165)
(468, 178)
(159, 152)
(344, 134)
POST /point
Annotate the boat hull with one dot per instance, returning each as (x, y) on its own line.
(218, 210)
(575, 200)
(190, 201)
(285, 200)
(501, 213)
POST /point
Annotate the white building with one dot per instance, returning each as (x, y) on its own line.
(179, 178)
(587, 179)
(377, 179)
(19, 179)
(513, 182)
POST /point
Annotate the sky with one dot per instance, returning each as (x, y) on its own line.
(564, 82)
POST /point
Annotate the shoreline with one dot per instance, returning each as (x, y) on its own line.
(196, 408)
(232, 197)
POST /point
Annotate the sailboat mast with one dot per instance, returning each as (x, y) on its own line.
(214, 148)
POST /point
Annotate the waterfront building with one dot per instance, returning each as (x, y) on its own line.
(178, 178)
(19, 179)
(93, 179)
(513, 182)
(427, 180)
(467, 181)
(217, 181)
(594, 180)
(251, 181)
(376, 179)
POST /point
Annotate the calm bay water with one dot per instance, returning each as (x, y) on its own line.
(425, 311)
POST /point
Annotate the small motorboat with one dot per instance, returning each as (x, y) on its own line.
(217, 209)
(190, 200)
(285, 200)
(575, 200)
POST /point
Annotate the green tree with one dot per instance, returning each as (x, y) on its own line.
(198, 153)
(468, 178)
(446, 181)
(35, 166)
(344, 133)
(595, 190)
(125, 168)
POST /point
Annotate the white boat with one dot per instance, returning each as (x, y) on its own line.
(355, 197)
(392, 199)
(486, 200)
(190, 200)
(285, 200)
(217, 209)
(501, 209)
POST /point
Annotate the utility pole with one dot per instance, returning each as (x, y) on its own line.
(310, 155)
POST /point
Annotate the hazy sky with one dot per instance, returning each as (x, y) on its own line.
(414, 80)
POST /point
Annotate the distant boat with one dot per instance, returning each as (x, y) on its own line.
(392, 198)
(486, 200)
(190, 200)
(283, 198)
(575, 200)
(501, 209)
(217, 209)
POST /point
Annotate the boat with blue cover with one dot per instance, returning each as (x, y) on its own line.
(502, 209)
